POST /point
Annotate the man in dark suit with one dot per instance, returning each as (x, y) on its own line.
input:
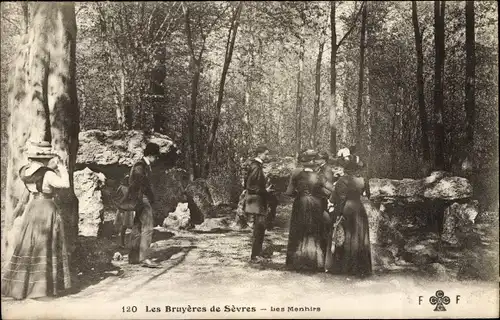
(140, 198)
(256, 200)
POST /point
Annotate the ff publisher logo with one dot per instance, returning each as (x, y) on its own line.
(439, 300)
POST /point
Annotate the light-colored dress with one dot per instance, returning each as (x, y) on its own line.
(38, 266)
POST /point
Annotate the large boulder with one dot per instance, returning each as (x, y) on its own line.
(374, 220)
(278, 170)
(179, 219)
(169, 186)
(120, 147)
(88, 185)
(200, 200)
(214, 225)
(458, 220)
(435, 187)
(223, 188)
(421, 250)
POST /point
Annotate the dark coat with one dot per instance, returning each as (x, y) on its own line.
(255, 184)
(139, 185)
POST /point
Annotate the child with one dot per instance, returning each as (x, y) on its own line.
(124, 219)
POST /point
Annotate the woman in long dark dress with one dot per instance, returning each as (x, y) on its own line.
(353, 257)
(38, 266)
(307, 236)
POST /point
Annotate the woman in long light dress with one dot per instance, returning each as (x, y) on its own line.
(38, 266)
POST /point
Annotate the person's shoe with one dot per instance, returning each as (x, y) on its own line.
(150, 264)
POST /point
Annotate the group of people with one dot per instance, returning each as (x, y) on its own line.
(37, 259)
(324, 202)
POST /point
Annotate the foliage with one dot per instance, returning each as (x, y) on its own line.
(119, 45)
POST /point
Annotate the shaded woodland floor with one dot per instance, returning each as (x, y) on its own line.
(203, 270)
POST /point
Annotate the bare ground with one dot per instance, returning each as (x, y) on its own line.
(213, 270)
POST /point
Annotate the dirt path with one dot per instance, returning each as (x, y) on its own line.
(205, 270)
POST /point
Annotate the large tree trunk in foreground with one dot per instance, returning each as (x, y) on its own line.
(43, 104)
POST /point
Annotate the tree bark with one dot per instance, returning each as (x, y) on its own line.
(333, 81)
(26, 15)
(195, 66)
(420, 85)
(361, 78)
(231, 40)
(298, 106)
(439, 10)
(333, 71)
(157, 94)
(46, 68)
(317, 97)
(470, 76)
(119, 99)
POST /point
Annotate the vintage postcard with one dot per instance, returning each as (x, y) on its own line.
(249, 160)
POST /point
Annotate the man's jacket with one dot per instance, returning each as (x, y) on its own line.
(255, 184)
(139, 186)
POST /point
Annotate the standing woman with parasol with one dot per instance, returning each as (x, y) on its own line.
(38, 266)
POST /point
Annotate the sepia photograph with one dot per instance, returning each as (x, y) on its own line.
(249, 160)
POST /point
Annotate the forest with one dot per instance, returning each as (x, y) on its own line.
(413, 85)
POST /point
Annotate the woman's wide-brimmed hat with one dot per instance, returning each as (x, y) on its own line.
(40, 150)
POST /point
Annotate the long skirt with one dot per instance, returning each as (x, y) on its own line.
(38, 266)
(354, 256)
(307, 238)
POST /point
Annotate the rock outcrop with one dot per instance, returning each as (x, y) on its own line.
(200, 200)
(214, 225)
(408, 191)
(179, 219)
(121, 147)
(88, 185)
(169, 186)
(458, 220)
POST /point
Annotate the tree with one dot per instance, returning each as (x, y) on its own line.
(420, 84)
(317, 95)
(231, 39)
(300, 89)
(362, 46)
(196, 68)
(470, 107)
(43, 103)
(439, 11)
(333, 71)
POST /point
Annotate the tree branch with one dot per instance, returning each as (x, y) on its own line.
(188, 31)
(80, 9)
(10, 21)
(352, 25)
(148, 28)
(169, 25)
